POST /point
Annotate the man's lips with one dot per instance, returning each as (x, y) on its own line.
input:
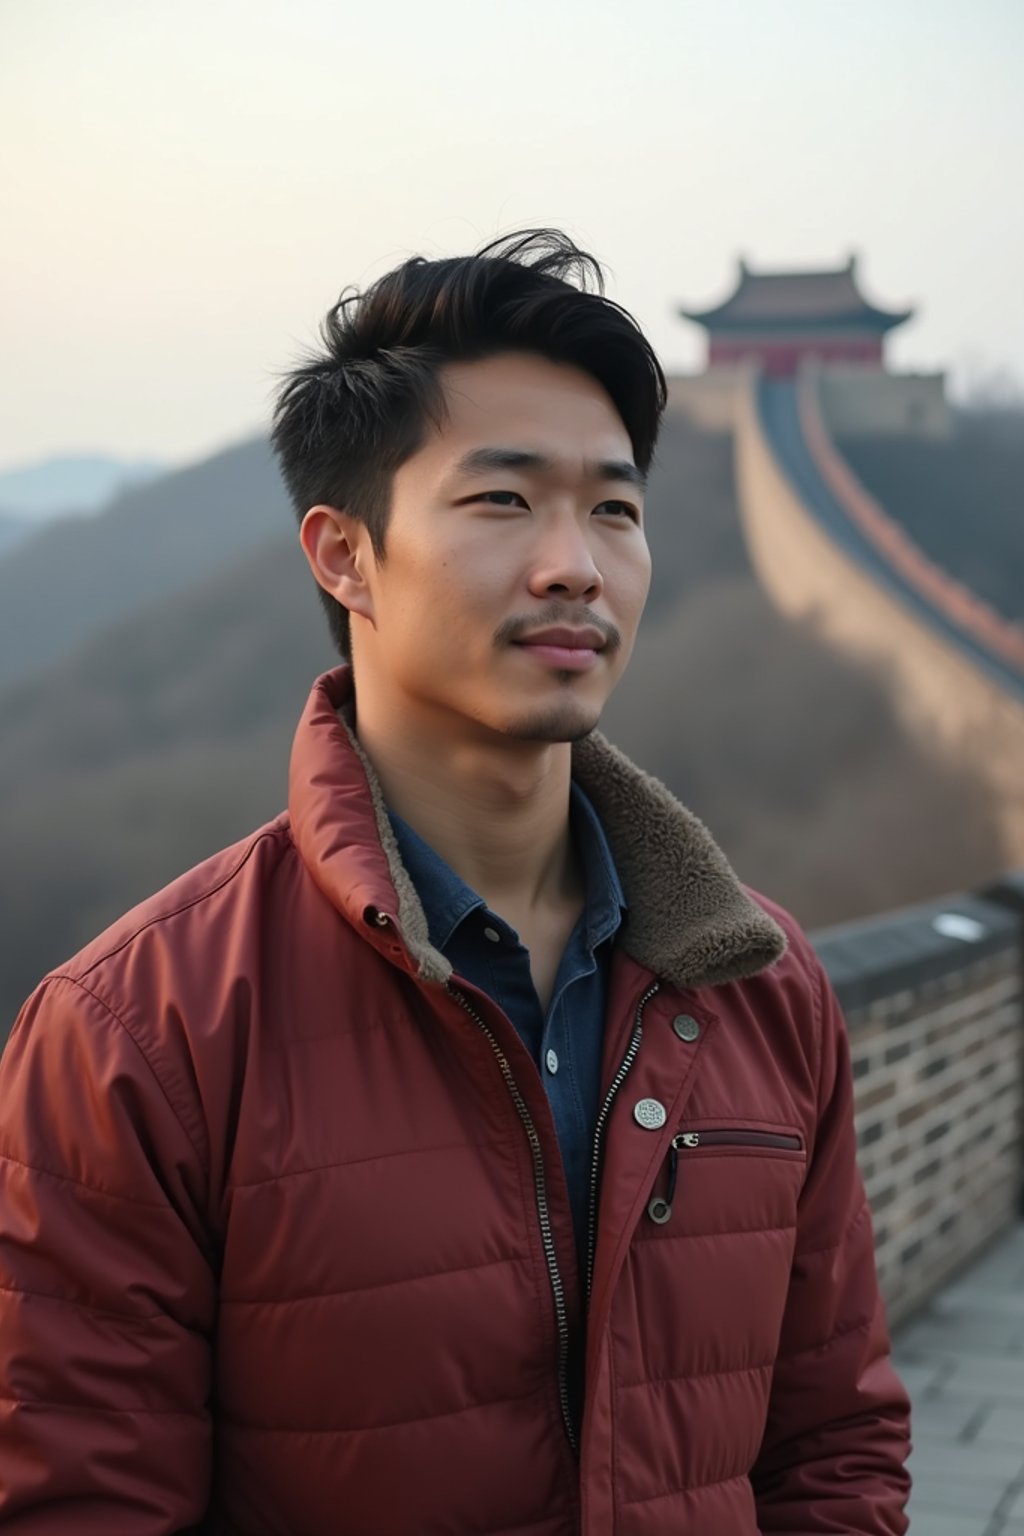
(570, 650)
(563, 638)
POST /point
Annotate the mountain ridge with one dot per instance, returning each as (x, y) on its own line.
(77, 575)
(66, 483)
(164, 733)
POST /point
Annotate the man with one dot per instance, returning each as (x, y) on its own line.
(467, 1151)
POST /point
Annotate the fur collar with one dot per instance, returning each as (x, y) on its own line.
(690, 921)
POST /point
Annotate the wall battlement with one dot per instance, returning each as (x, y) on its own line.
(934, 1001)
(856, 401)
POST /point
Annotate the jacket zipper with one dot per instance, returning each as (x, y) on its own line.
(690, 1139)
(543, 1214)
(602, 1120)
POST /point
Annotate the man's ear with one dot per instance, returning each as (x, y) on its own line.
(338, 549)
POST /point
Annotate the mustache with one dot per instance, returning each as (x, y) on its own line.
(513, 629)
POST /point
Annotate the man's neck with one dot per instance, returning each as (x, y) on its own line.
(496, 810)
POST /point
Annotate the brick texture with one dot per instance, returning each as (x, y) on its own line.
(939, 1082)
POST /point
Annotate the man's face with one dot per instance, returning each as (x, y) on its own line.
(516, 565)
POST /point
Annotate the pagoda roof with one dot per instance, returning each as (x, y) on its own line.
(796, 300)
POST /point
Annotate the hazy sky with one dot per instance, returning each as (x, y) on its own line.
(186, 184)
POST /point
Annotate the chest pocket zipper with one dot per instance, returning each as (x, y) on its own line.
(659, 1207)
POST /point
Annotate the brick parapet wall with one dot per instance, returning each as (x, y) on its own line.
(938, 1064)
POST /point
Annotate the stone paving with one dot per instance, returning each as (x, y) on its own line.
(962, 1360)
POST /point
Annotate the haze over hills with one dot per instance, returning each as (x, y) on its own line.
(71, 482)
(13, 530)
(960, 501)
(77, 575)
(164, 734)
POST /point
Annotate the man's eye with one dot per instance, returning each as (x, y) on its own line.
(619, 509)
(501, 498)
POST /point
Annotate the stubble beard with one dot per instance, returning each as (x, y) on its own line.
(566, 720)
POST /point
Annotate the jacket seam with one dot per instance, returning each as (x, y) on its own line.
(615, 1419)
(860, 1326)
(267, 835)
(130, 1034)
(91, 1407)
(737, 1370)
(80, 1306)
(858, 1216)
(522, 1525)
(366, 1429)
(675, 1493)
(375, 1286)
(818, 1016)
(682, 1237)
(64, 1178)
(743, 1123)
(359, 1162)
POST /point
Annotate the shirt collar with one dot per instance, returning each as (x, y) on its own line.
(605, 902)
(448, 900)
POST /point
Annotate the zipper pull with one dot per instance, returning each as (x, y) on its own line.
(659, 1207)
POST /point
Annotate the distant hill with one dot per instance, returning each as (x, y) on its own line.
(77, 575)
(71, 483)
(166, 735)
(961, 501)
(13, 531)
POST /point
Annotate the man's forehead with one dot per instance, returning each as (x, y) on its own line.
(527, 385)
(525, 404)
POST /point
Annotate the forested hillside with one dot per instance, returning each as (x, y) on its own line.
(13, 530)
(961, 501)
(152, 739)
(78, 574)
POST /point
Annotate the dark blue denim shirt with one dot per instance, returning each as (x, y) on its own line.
(565, 1043)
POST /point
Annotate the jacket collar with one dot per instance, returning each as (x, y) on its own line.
(689, 919)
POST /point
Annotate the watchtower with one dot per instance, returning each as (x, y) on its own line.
(778, 319)
(781, 323)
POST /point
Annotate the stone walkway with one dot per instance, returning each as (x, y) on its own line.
(963, 1364)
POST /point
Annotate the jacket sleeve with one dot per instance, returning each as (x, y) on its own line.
(107, 1292)
(837, 1434)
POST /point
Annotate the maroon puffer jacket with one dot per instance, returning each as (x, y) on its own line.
(285, 1244)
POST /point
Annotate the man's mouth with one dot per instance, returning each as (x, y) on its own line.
(571, 650)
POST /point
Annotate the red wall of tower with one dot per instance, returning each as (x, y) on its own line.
(782, 358)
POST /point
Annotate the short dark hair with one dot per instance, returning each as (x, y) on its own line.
(348, 416)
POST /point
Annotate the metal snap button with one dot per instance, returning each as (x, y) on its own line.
(493, 935)
(650, 1113)
(659, 1210)
(552, 1061)
(686, 1027)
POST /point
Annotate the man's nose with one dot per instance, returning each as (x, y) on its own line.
(565, 565)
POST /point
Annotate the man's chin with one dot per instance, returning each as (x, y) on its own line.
(568, 720)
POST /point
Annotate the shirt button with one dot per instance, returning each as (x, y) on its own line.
(650, 1113)
(552, 1061)
(686, 1027)
(493, 935)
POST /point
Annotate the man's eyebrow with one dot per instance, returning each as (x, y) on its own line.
(621, 469)
(483, 460)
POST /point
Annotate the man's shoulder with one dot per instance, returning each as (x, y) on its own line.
(789, 1006)
(192, 909)
(798, 973)
(798, 945)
